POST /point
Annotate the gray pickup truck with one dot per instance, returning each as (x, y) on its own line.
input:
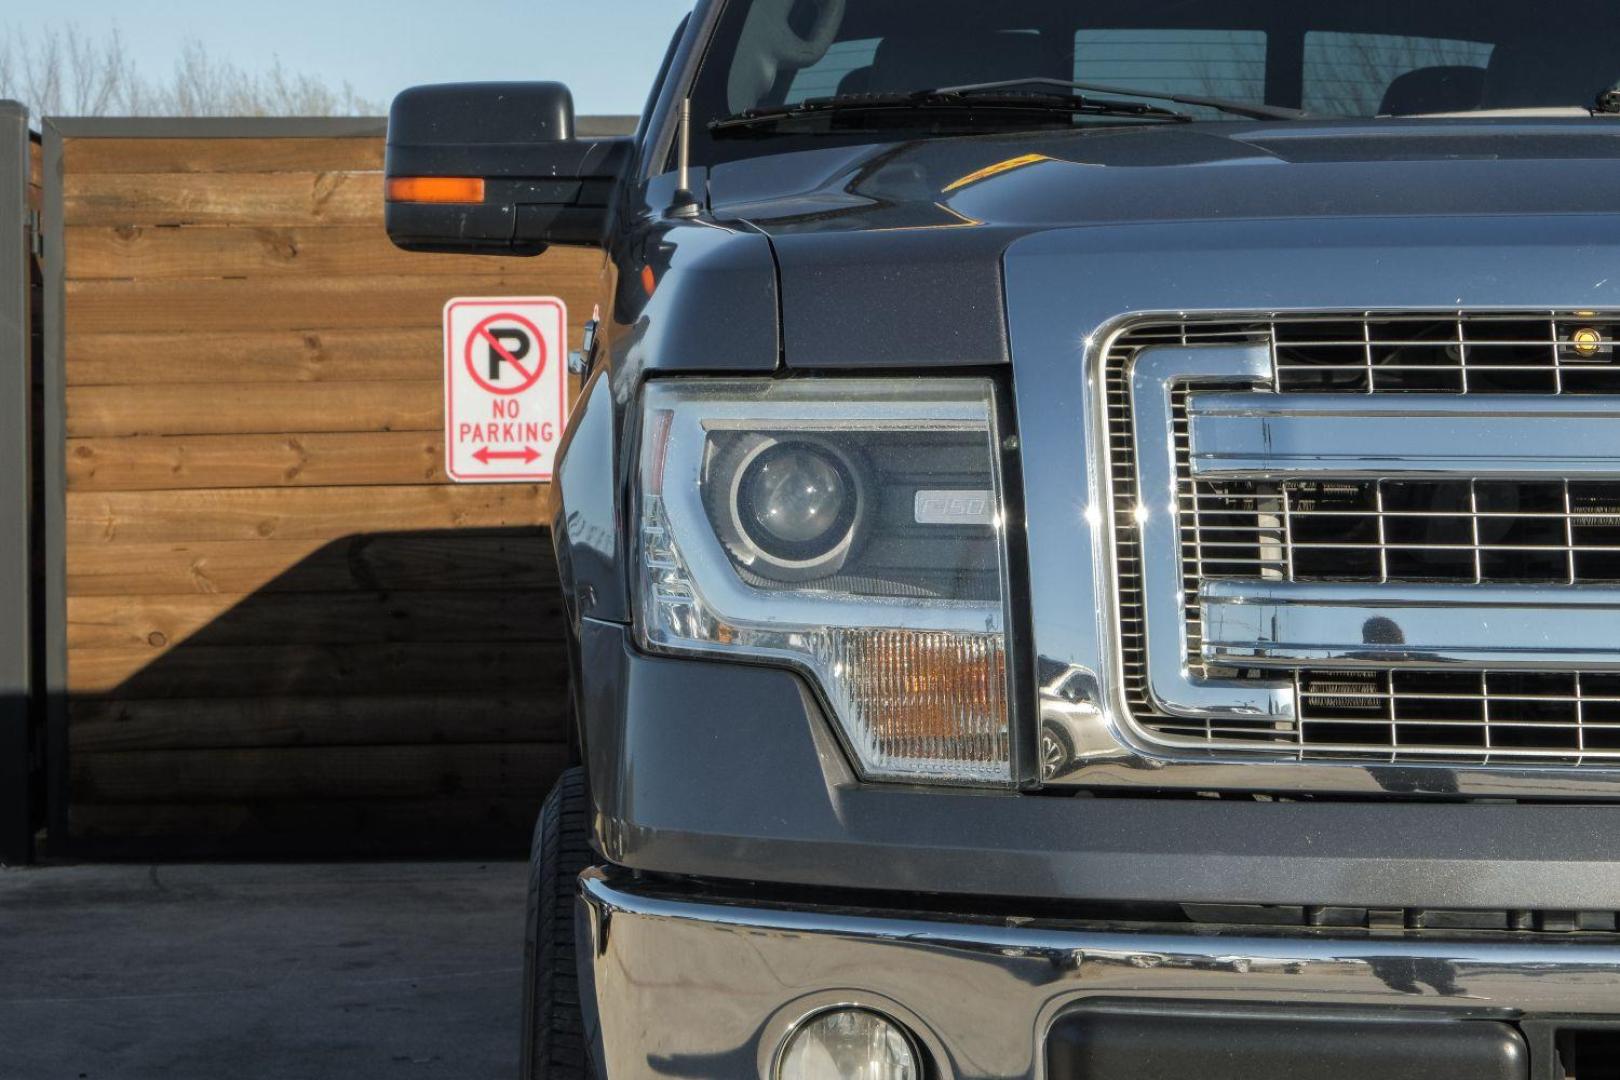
(1091, 537)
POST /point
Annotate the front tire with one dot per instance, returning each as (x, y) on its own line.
(554, 1041)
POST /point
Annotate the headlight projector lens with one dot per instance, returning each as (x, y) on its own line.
(795, 495)
(797, 505)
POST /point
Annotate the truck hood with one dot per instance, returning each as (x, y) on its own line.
(892, 254)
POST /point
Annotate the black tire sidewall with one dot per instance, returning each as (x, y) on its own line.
(554, 1043)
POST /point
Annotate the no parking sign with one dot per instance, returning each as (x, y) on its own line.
(505, 390)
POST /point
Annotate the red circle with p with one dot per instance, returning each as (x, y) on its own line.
(514, 346)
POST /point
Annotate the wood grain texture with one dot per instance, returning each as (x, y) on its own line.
(289, 303)
(139, 648)
(158, 463)
(468, 826)
(162, 624)
(388, 720)
(252, 355)
(290, 198)
(307, 774)
(200, 252)
(296, 513)
(470, 560)
(253, 409)
(121, 157)
(315, 670)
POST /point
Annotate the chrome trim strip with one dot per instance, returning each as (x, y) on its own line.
(691, 986)
(1292, 624)
(1176, 690)
(1278, 436)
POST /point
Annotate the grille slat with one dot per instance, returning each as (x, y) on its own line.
(1369, 530)
(1465, 530)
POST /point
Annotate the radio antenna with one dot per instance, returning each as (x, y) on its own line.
(685, 203)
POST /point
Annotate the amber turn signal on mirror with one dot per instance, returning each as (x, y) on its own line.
(435, 189)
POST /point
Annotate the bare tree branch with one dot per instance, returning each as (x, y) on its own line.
(68, 72)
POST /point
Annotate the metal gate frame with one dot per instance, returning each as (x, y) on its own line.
(18, 747)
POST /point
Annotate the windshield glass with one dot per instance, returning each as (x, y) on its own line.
(1338, 59)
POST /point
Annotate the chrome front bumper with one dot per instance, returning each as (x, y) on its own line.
(686, 986)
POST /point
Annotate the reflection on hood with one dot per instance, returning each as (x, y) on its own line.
(1187, 172)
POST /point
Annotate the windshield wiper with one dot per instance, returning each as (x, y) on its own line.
(1236, 108)
(990, 102)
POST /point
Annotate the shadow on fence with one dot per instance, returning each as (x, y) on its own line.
(394, 694)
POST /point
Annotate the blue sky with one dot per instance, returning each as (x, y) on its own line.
(607, 50)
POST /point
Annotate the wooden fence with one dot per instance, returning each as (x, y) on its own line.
(282, 627)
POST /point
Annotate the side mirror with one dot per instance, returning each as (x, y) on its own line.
(494, 169)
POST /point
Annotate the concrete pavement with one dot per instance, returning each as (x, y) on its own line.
(241, 972)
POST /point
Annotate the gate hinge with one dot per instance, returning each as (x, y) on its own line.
(36, 234)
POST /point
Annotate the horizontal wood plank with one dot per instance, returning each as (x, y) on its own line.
(386, 720)
(177, 462)
(466, 826)
(472, 560)
(165, 623)
(201, 252)
(315, 670)
(290, 198)
(254, 408)
(297, 513)
(316, 773)
(121, 157)
(173, 358)
(305, 302)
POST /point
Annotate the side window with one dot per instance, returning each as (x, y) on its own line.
(1209, 63)
(1353, 74)
(821, 79)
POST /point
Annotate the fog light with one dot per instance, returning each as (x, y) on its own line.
(849, 1044)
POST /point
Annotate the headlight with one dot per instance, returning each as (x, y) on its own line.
(851, 529)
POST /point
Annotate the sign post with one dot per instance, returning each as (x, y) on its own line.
(505, 388)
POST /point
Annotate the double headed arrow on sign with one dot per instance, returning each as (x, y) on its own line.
(528, 455)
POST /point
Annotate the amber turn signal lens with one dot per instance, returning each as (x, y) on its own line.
(917, 694)
(435, 189)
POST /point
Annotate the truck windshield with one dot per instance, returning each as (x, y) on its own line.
(1331, 59)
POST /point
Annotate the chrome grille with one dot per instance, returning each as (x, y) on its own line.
(1474, 354)
(1472, 531)
(1462, 530)
(1501, 714)
(1122, 457)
